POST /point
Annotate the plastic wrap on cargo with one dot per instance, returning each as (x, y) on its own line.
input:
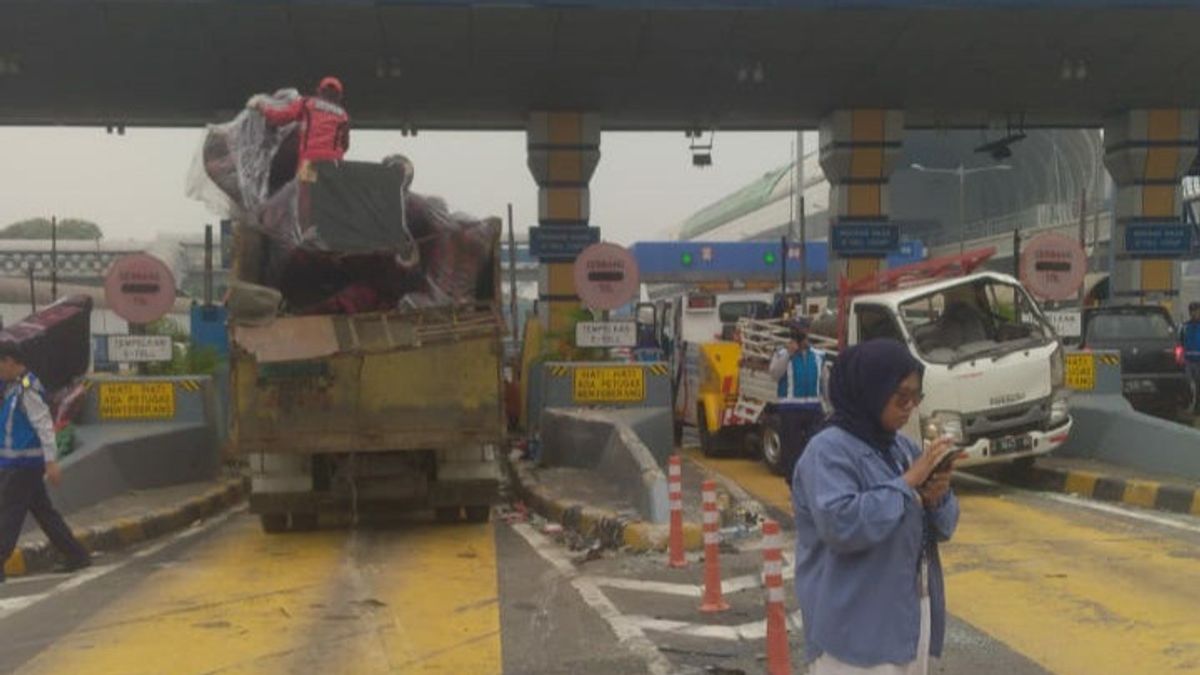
(340, 237)
(241, 161)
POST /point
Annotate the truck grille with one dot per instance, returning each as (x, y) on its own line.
(1016, 419)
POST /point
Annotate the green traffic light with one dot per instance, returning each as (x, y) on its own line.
(769, 257)
(686, 259)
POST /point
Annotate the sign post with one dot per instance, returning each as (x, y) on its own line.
(605, 334)
(1053, 266)
(865, 238)
(140, 289)
(560, 243)
(606, 276)
(1158, 239)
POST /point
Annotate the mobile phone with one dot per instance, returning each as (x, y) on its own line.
(947, 459)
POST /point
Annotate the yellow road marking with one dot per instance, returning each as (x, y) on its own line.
(440, 611)
(752, 475)
(237, 605)
(1076, 592)
(417, 599)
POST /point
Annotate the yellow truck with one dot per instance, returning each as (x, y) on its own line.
(387, 410)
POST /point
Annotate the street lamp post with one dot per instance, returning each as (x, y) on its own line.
(962, 172)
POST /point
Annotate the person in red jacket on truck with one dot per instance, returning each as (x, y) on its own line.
(324, 123)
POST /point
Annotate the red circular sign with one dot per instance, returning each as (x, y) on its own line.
(606, 276)
(1053, 266)
(139, 288)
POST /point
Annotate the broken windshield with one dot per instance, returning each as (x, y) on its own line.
(981, 318)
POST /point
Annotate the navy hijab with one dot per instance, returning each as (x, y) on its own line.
(864, 378)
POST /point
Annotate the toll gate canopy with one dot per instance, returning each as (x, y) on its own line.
(640, 64)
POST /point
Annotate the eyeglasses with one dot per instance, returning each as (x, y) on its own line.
(908, 397)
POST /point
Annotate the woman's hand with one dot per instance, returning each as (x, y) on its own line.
(923, 466)
(934, 490)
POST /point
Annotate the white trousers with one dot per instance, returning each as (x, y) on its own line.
(828, 665)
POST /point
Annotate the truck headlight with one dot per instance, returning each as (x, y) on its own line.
(1057, 372)
(943, 424)
(1060, 410)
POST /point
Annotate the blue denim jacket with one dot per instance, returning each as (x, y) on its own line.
(859, 535)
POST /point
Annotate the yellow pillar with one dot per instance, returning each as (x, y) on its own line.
(1147, 153)
(564, 148)
(859, 149)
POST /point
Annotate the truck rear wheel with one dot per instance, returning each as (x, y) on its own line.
(273, 523)
(772, 446)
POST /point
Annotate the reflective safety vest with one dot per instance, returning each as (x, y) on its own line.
(22, 447)
(1190, 337)
(801, 383)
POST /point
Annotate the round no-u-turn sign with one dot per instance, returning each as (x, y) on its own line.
(139, 288)
(606, 276)
(1053, 266)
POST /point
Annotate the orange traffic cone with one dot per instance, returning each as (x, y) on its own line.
(713, 602)
(779, 659)
(675, 494)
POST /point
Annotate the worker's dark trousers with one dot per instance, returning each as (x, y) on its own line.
(22, 491)
(796, 426)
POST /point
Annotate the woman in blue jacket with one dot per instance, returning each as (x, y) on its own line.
(870, 509)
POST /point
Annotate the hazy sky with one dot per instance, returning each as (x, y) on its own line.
(132, 185)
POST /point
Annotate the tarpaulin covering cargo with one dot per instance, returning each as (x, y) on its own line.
(342, 237)
(55, 341)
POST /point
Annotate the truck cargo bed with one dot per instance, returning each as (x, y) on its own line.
(413, 380)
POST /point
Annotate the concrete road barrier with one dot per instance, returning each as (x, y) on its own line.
(1107, 428)
(604, 442)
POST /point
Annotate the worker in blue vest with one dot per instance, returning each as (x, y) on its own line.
(797, 367)
(28, 454)
(1189, 337)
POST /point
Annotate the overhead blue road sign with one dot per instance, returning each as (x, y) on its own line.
(865, 239)
(706, 261)
(1163, 239)
(560, 243)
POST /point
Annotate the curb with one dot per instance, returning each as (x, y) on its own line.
(612, 529)
(114, 535)
(1135, 492)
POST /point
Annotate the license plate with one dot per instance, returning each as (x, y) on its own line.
(1140, 386)
(1011, 444)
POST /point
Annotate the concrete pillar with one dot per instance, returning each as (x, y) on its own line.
(1146, 153)
(564, 149)
(859, 149)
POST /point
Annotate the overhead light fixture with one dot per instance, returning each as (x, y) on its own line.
(701, 151)
(389, 68)
(1073, 69)
(1000, 148)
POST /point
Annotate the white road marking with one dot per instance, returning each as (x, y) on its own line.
(751, 630)
(746, 582)
(1082, 502)
(11, 606)
(627, 632)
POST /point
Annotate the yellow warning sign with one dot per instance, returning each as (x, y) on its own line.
(609, 385)
(137, 400)
(1081, 371)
